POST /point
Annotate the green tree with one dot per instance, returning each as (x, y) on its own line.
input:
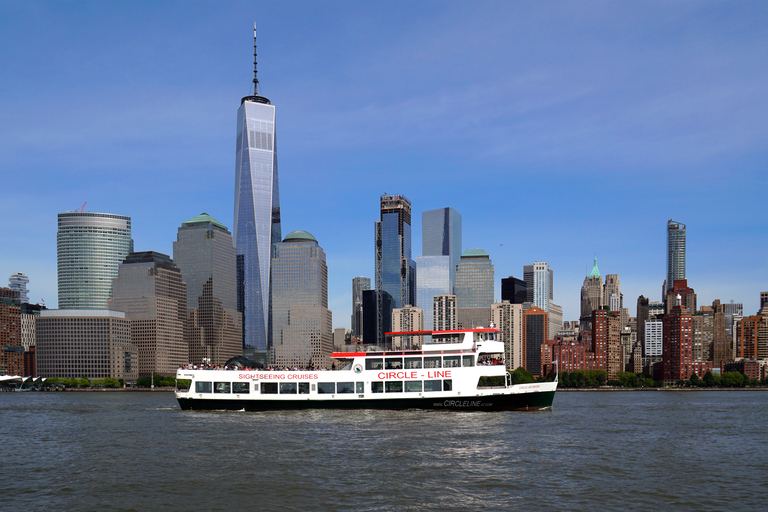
(710, 380)
(143, 382)
(695, 381)
(521, 376)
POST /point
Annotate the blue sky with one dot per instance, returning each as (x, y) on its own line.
(559, 130)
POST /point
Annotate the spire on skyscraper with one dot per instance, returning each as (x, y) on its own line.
(255, 73)
(595, 271)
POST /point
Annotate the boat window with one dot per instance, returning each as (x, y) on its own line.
(394, 386)
(469, 360)
(183, 384)
(240, 387)
(303, 388)
(221, 387)
(327, 388)
(269, 388)
(451, 361)
(433, 385)
(412, 362)
(432, 362)
(359, 388)
(447, 385)
(256, 387)
(393, 363)
(377, 387)
(413, 386)
(374, 363)
(345, 387)
(203, 387)
(287, 388)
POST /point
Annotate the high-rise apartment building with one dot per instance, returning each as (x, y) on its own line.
(92, 343)
(678, 343)
(687, 295)
(395, 270)
(752, 337)
(257, 210)
(675, 254)
(441, 236)
(89, 248)
(204, 253)
(703, 334)
(149, 289)
(508, 318)
(653, 338)
(302, 330)
(359, 285)
(474, 289)
(11, 350)
(19, 282)
(444, 313)
(407, 319)
(539, 279)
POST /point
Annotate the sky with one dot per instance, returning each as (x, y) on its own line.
(561, 131)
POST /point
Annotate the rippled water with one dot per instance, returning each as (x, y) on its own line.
(607, 450)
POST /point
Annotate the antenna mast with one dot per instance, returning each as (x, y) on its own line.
(255, 76)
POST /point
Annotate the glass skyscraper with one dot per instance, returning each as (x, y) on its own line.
(474, 289)
(89, 248)
(395, 270)
(257, 210)
(301, 321)
(359, 285)
(18, 282)
(441, 250)
(433, 278)
(675, 252)
(441, 236)
(204, 253)
(539, 284)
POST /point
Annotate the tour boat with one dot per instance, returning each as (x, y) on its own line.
(464, 371)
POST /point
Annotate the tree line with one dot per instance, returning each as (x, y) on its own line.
(160, 381)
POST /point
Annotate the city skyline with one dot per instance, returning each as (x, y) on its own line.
(673, 135)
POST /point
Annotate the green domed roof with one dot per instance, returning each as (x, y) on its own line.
(204, 218)
(299, 236)
(474, 253)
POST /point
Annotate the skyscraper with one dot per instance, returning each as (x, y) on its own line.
(359, 285)
(405, 319)
(441, 236)
(612, 296)
(513, 290)
(257, 209)
(591, 293)
(302, 332)
(18, 282)
(205, 255)
(508, 318)
(675, 253)
(433, 278)
(395, 270)
(474, 289)
(539, 284)
(149, 289)
(89, 248)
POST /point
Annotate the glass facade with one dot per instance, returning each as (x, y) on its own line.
(441, 236)
(432, 279)
(675, 252)
(359, 285)
(539, 284)
(205, 255)
(257, 213)
(301, 322)
(474, 289)
(18, 282)
(89, 248)
(395, 270)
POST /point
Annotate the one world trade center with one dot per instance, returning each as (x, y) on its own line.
(257, 210)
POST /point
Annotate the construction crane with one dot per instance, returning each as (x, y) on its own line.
(81, 208)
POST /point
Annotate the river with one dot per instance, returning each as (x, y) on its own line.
(638, 450)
